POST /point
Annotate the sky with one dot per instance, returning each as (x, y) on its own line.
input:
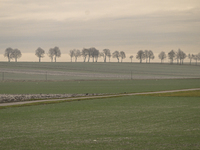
(123, 25)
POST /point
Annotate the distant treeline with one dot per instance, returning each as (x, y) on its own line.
(94, 54)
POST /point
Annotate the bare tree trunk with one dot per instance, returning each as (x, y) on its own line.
(39, 59)
(55, 58)
(180, 61)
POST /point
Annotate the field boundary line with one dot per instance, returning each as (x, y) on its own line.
(92, 97)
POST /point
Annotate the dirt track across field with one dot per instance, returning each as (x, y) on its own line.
(95, 97)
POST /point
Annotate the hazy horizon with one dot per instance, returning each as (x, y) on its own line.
(31, 57)
(123, 25)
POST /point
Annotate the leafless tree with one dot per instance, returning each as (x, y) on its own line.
(84, 54)
(171, 55)
(51, 53)
(180, 56)
(150, 55)
(109, 56)
(57, 52)
(89, 53)
(146, 55)
(131, 57)
(8, 53)
(162, 56)
(177, 56)
(92, 52)
(116, 54)
(77, 53)
(54, 52)
(140, 55)
(190, 56)
(97, 54)
(16, 54)
(71, 53)
(196, 57)
(106, 53)
(122, 55)
(39, 53)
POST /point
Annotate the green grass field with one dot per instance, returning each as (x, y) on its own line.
(109, 86)
(165, 121)
(131, 122)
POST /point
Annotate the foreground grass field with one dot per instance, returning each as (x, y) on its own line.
(109, 86)
(132, 122)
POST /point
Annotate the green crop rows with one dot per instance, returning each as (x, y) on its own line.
(162, 121)
(132, 122)
(113, 86)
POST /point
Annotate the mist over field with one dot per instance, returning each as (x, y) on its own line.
(121, 25)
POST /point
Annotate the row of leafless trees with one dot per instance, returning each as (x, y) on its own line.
(146, 54)
(94, 54)
(12, 54)
(53, 53)
(179, 56)
(86, 53)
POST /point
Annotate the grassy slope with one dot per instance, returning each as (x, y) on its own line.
(115, 86)
(133, 122)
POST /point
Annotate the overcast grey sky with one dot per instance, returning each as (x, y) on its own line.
(128, 25)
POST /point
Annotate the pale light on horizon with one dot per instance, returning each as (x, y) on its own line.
(123, 25)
